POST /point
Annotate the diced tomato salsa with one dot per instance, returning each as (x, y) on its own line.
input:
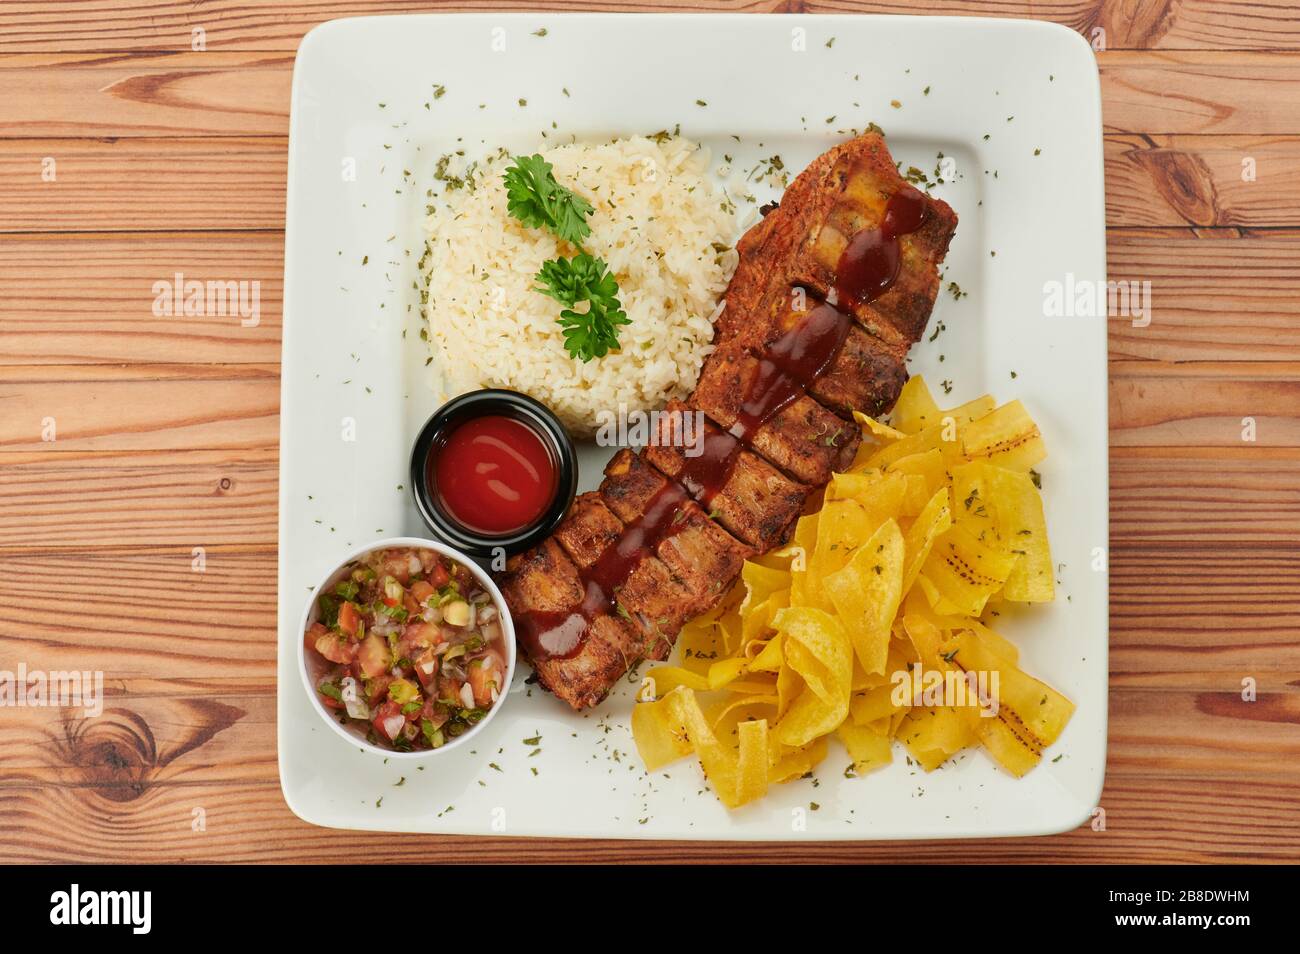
(412, 647)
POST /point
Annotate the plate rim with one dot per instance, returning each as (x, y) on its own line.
(1064, 820)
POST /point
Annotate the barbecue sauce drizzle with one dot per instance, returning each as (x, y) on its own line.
(868, 267)
(560, 634)
(870, 263)
(790, 365)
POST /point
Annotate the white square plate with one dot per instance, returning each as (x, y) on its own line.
(1015, 108)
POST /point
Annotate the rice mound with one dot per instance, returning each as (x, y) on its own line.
(659, 224)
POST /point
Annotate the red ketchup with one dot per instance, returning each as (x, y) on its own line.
(493, 475)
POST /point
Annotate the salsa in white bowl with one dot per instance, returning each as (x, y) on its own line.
(407, 647)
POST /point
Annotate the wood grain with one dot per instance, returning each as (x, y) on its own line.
(1215, 293)
(185, 620)
(1178, 633)
(1206, 180)
(30, 25)
(1223, 404)
(174, 500)
(1149, 818)
(1174, 523)
(168, 159)
(127, 749)
(1206, 731)
(181, 499)
(79, 298)
(240, 94)
(224, 184)
(1213, 504)
(1200, 92)
(1152, 182)
(139, 407)
(188, 94)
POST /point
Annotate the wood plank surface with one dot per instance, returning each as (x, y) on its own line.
(242, 184)
(1152, 182)
(169, 158)
(139, 407)
(1209, 496)
(1202, 180)
(173, 500)
(87, 297)
(1203, 732)
(1154, 819)
(1207, 404)
(32, 25)
(1175, 634)
(1258, 321)
(189, 95)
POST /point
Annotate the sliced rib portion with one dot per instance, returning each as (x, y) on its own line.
(799, 245)
(649, 599)
(865, 375)
(749, 497)
(803, 439)
(630, 595)
(588, 529)
(852, 197)
(544, 583)
(699, 553)
(768, 249)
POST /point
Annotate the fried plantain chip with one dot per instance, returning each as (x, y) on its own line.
(961, 573)
(868, 626)
(1031, 715)
(915, 408)
(1003, 508)
(817, 648)
(868, 748)
(866, 592)
(933, 520)
(1007, 437)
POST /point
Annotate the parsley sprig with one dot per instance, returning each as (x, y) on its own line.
(538, 201)
(593, 333)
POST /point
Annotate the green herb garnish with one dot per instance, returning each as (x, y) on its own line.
(539, 202)
(592, 333)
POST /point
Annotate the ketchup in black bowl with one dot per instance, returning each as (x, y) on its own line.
(493, 471)
(493, 474)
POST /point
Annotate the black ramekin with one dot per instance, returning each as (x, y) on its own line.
(507, 404)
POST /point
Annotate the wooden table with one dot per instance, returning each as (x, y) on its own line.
(167, 158)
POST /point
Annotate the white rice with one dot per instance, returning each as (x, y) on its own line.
(658, 223)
